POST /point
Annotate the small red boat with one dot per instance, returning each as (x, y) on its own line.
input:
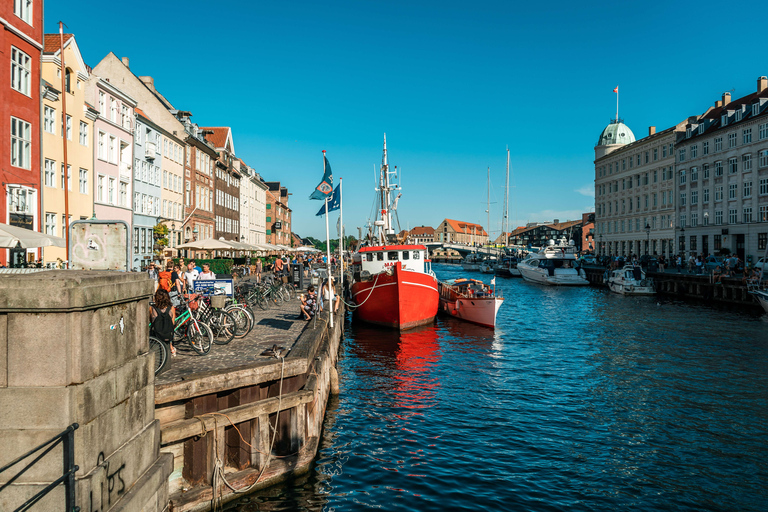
(470, 300)
(393, 283)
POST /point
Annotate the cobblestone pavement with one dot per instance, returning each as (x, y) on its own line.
(279, 325)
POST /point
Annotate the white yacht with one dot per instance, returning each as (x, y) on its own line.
(556, 265)
(630, 280)
(472, 262)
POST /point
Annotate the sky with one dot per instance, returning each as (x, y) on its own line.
(451, 83)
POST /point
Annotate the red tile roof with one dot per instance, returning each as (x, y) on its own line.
(52, 42)
(219, 136)
(468, 228)
(423, 230)
(141, 113)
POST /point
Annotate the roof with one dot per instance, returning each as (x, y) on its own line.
(423, 230)
(219, 136)
(141, 113)
(616, 133)
(52, 42)
(712, 118)
(392, 248)
(469, 228)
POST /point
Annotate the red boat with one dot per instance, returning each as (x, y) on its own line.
(393, 284)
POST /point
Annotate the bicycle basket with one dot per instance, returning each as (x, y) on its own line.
(218, 301)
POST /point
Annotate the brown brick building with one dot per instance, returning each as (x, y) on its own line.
(278, 214)
(226, 184)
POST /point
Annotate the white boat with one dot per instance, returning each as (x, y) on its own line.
(507, 267)
(472, 262)
(488, 266)
(554, 265)
(470, 300)
(630, 280)
(762, 297)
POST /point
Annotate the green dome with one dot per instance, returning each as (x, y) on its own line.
(616, 133)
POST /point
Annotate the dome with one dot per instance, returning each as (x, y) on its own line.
(616, 133)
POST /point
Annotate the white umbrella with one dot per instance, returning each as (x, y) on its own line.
(14, 236)
(209, 244)
(307, 249)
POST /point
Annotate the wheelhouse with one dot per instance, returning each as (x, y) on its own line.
(377, 259)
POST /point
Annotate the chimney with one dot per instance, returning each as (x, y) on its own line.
(126, 62)
(726, 98)
(651, 130)
(718, 104)
(149, 82)
(762, 84)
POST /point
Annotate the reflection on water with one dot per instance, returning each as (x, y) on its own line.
(580, 399)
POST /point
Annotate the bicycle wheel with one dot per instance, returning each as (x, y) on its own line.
(160, 350)
(261, 301)
(224, 327)
(289, 291)
(243, 320)
(199, 337)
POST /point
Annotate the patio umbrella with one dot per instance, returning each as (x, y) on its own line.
(209, 244)
(12, 237)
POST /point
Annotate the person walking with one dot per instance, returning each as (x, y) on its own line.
(259, 269)
(206, 274)
(152, 271)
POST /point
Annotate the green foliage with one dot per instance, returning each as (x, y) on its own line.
(218, 265)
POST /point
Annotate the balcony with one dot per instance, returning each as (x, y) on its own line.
(125, 169)
(149, 150)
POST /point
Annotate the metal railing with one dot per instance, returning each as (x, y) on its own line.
(67, 438)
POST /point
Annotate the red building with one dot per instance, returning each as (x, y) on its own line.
(21, 45)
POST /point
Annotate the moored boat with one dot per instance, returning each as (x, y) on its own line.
(393, 284)
(472, 262)
(507, 267)
(554, 265)
(630, 280)
(470, 300)
(762, 298)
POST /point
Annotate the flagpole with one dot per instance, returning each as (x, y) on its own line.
(617, 103)
(341, 239)
(328, 256)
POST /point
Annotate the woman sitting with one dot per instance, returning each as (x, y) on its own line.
(325, 293)
(309, 303)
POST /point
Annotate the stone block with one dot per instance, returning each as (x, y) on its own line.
(35, 408)
(14, 443)
(38, 352)
(14, 495)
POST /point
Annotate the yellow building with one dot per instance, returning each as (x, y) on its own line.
(78, 130)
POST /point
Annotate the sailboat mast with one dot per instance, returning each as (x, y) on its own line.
(506, 203)
(488, 207)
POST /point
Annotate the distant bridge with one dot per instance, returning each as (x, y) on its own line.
(463, 249)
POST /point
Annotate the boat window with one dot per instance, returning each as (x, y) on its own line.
(379, 256)
(392, 256)
(369, 256)
(416, 255)
(406, 255)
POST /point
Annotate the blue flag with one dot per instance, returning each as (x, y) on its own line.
(325, 187)
(333, 204)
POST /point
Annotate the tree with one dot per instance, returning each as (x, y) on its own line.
(160, 234)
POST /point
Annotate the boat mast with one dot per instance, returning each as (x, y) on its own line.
(505, 226)
(488, 208)
(386, 215)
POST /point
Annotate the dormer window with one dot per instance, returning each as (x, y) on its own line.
(724, 119)
(688, 133)
(738, 115)
(701, 129)
(755, 109)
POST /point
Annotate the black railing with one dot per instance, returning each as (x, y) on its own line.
(67, 439)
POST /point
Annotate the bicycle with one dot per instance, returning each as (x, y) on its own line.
(222, 323)
(198, 334)
(160, 350)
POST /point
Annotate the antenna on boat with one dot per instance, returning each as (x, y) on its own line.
(505, 225)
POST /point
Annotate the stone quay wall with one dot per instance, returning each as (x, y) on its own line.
(74, 349)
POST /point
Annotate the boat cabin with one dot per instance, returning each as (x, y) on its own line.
(377, 259)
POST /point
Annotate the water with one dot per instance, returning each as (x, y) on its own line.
(579, 400)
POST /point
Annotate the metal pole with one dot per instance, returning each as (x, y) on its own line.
(64, 137)
(341, 238)
(328, 255)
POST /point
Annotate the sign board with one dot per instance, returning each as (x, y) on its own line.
(99, 245)
(213, 287)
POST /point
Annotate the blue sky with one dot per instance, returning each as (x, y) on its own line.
(451, 83)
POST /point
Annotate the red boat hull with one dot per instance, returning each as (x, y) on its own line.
(401, 300)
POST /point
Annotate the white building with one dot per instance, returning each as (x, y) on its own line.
(722, 178)
(634, 193)
(253, 197)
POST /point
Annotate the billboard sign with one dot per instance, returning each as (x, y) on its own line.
(99, 245)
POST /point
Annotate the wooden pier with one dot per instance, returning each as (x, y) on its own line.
(731, 290)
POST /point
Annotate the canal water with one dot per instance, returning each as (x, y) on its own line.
(579, 400)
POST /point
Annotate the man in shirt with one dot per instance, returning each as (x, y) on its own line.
(190, 275)
(152, 271)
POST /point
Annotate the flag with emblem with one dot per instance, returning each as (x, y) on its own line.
(333, 204)
(324, 189)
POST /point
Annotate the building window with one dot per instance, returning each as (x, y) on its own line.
(694, 197)
(719, 193)
(706, 219)
(112, 110)
(762, 241)
(764, 213)
(694, 174)
(746, 214)
(655, 154)
(718, 144)
(733, 165)
(681, 155)
(747, 189)
(733, 216)
(50, 224)
(49, 120)
(682, 199)
(746, 163)
(664, 151)
(733, 190)
(763, 131)
(21, 141)
(83, 134)
(705, 147)
(68, 177)
(21, 71)
(718, 217)
(111, 191)
(705, 171)
(718, 242)
(694, 151)
(83, 181)
(732, 140)
(682, 176)
(50, 173)
(23, 9)
(763, 186)
(705, 195)
(746, 136)
(718, 169)
(69, 127)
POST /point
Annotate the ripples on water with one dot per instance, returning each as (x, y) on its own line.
(579, 400)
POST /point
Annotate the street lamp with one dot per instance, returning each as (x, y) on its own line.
(173, 233)
(648, 241)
